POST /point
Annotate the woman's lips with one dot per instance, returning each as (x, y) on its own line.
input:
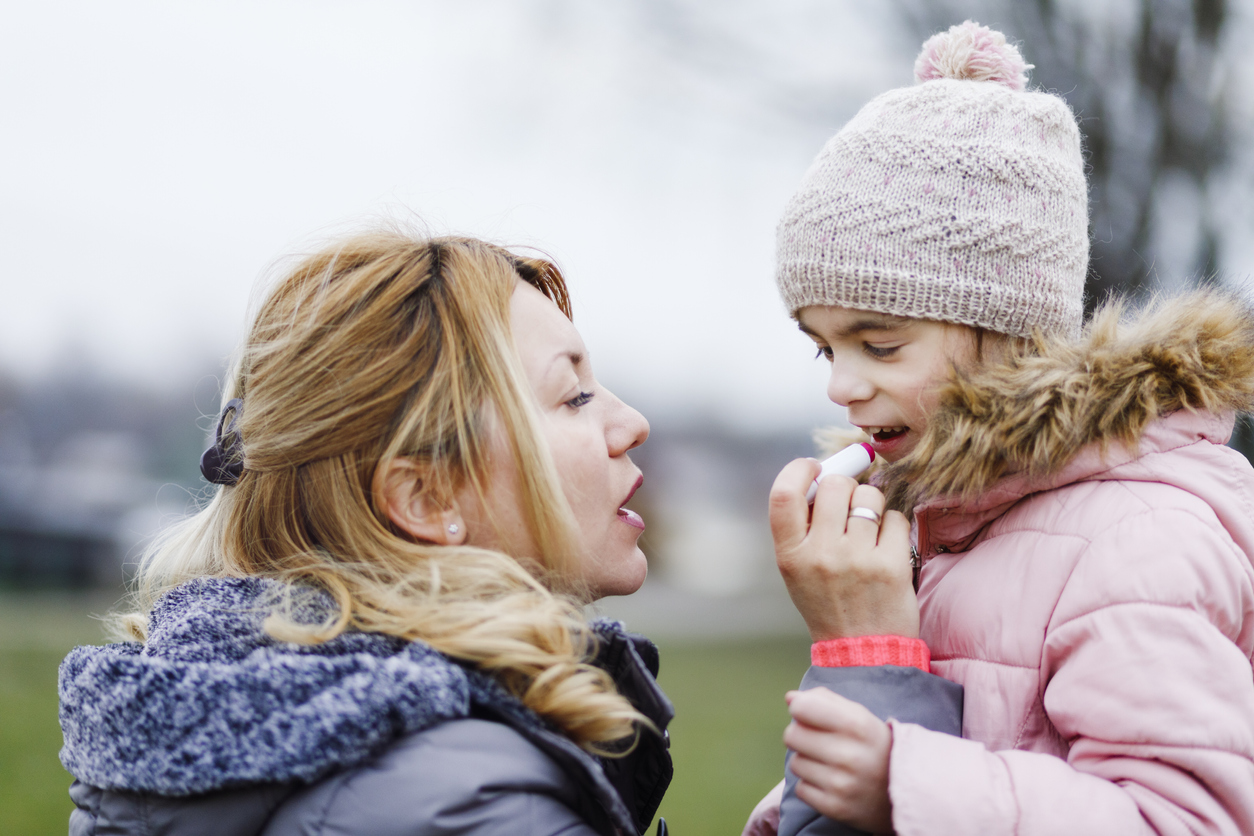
(626, 514)
(631, 518)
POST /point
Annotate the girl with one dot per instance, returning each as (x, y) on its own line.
(374, 626)
(1084, 537)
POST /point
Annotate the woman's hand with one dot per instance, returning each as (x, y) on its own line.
(840, 757)
(848, 576)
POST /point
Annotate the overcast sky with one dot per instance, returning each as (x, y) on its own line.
(158, 156)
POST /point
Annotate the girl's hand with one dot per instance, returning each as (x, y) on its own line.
(848, 576)
(840, 757)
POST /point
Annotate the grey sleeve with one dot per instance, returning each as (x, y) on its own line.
(241, 812)
(905, 694)
(473, 777)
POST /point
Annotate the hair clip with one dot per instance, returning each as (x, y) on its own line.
(223, 462)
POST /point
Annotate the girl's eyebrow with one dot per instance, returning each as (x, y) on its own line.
(869, 323)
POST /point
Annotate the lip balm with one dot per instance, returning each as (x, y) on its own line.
(851, 462)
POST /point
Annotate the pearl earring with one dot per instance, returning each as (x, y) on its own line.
(453, 528)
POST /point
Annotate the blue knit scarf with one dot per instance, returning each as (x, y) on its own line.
(211, 701)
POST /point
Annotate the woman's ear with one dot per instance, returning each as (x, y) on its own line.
(399, 487)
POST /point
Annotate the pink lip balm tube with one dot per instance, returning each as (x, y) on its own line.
(848, 462)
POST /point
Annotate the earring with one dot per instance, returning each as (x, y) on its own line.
(453, 529)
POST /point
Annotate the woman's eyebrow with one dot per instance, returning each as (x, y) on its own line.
(576, 358)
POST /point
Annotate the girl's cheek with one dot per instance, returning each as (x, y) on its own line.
(927, 398)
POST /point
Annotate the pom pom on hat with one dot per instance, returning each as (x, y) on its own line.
(971, 52)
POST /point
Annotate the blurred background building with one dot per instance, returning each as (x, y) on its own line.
(162, 158)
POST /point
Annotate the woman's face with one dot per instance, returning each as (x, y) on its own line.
(589, 432)
(886, 370)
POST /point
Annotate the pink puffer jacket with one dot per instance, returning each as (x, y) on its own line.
(1096, 604)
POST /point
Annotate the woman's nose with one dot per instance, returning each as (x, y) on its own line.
(845, 386)
(626, 428)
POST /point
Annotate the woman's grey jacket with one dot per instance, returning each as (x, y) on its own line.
(213, 727)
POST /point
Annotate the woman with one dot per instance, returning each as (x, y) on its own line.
(374, 625)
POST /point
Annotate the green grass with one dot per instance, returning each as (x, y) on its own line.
(36, 631)
(725, 737)
(32, 783)
(729, 721)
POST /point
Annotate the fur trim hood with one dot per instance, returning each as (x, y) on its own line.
(1033, 413)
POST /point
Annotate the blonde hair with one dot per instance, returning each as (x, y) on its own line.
(380, 347)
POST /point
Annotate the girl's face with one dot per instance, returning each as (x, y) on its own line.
(886, 370)
(589, 432)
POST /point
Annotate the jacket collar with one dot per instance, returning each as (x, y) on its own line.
(949, 523)
(622, 794)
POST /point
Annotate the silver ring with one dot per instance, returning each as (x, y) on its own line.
(865, 514)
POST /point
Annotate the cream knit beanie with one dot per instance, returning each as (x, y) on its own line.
(960, 199)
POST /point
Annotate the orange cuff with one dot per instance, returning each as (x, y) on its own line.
(872, 651)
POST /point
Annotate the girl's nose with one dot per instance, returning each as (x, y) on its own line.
(845, 386)
(625, 429)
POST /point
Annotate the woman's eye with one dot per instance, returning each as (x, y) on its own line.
(824, 351)
(579, 400)
(880, 351)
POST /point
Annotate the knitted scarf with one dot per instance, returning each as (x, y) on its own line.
(211, 701)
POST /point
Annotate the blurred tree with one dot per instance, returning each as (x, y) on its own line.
(1147, 80)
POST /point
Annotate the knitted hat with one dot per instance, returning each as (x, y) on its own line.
(960, 199)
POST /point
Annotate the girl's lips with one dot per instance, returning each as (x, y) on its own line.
(631, 518)
(889, 446)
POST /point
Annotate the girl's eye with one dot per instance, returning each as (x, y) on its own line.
(880, 351)
(824, 351)
(579, 400)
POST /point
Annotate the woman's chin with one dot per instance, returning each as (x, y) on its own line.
(622, 576)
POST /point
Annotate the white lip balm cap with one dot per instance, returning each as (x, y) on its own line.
(851, 462)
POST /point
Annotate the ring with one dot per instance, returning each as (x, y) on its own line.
(865, 514)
